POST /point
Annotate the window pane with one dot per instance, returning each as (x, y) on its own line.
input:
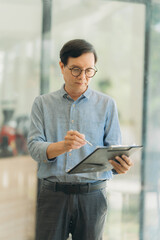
(151, 201)
(117, 30)
(20, 33)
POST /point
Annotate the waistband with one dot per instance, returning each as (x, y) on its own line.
(70, 188)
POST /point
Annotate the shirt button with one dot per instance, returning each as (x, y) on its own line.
(70, 154)
(45, 161)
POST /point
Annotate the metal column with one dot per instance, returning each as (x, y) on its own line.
(46, 45)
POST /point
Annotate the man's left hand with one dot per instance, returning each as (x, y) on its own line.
(123, 165)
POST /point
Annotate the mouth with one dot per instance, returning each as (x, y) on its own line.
(79, 83)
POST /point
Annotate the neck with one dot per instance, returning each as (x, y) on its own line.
(74, 95)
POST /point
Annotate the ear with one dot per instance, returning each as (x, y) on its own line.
(61, 67)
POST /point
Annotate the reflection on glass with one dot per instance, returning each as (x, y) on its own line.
(13, 134)
(116, 29)
(151, 214)
(20, 33)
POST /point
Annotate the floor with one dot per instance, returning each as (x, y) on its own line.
(18, 187)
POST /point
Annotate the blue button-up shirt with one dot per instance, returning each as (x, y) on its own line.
(93, 114)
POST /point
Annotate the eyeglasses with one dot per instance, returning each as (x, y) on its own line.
(76, 71)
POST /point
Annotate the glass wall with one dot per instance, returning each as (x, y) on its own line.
(126, 35)
(20, 35)
(150, 197)
(117, 30)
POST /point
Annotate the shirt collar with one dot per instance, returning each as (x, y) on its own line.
(86, 94)
(63, 92)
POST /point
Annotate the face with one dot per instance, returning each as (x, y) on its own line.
(77, 85)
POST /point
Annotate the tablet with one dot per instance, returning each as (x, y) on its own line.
(97, 161)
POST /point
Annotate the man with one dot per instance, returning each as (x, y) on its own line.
(60, 123)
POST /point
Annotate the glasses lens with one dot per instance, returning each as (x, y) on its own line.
(76, 72)
(90, 72)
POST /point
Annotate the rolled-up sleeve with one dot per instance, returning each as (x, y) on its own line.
(37, 143)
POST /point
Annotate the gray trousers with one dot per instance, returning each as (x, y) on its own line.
(82, 215)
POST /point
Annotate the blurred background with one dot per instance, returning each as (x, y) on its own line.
(126, 35)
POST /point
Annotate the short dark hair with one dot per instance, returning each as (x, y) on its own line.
(75, 48)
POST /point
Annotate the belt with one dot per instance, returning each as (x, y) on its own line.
(70, 188)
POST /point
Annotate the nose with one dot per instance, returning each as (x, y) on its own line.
(82, 75)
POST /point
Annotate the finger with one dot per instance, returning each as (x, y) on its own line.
(119, 169)
(78, 134)
(114, 163)
(72, 143)
(71, 146)
(75, 135)
(74, 139)
(127, 160)
(120, 166)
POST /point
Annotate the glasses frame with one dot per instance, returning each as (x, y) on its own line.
(95, 69)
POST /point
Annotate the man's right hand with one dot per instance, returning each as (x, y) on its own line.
(74, 140)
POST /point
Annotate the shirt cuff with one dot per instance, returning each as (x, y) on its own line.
(51, 160)
(114, 172)
(43, 153)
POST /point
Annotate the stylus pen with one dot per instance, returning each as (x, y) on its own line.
(88, 142)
